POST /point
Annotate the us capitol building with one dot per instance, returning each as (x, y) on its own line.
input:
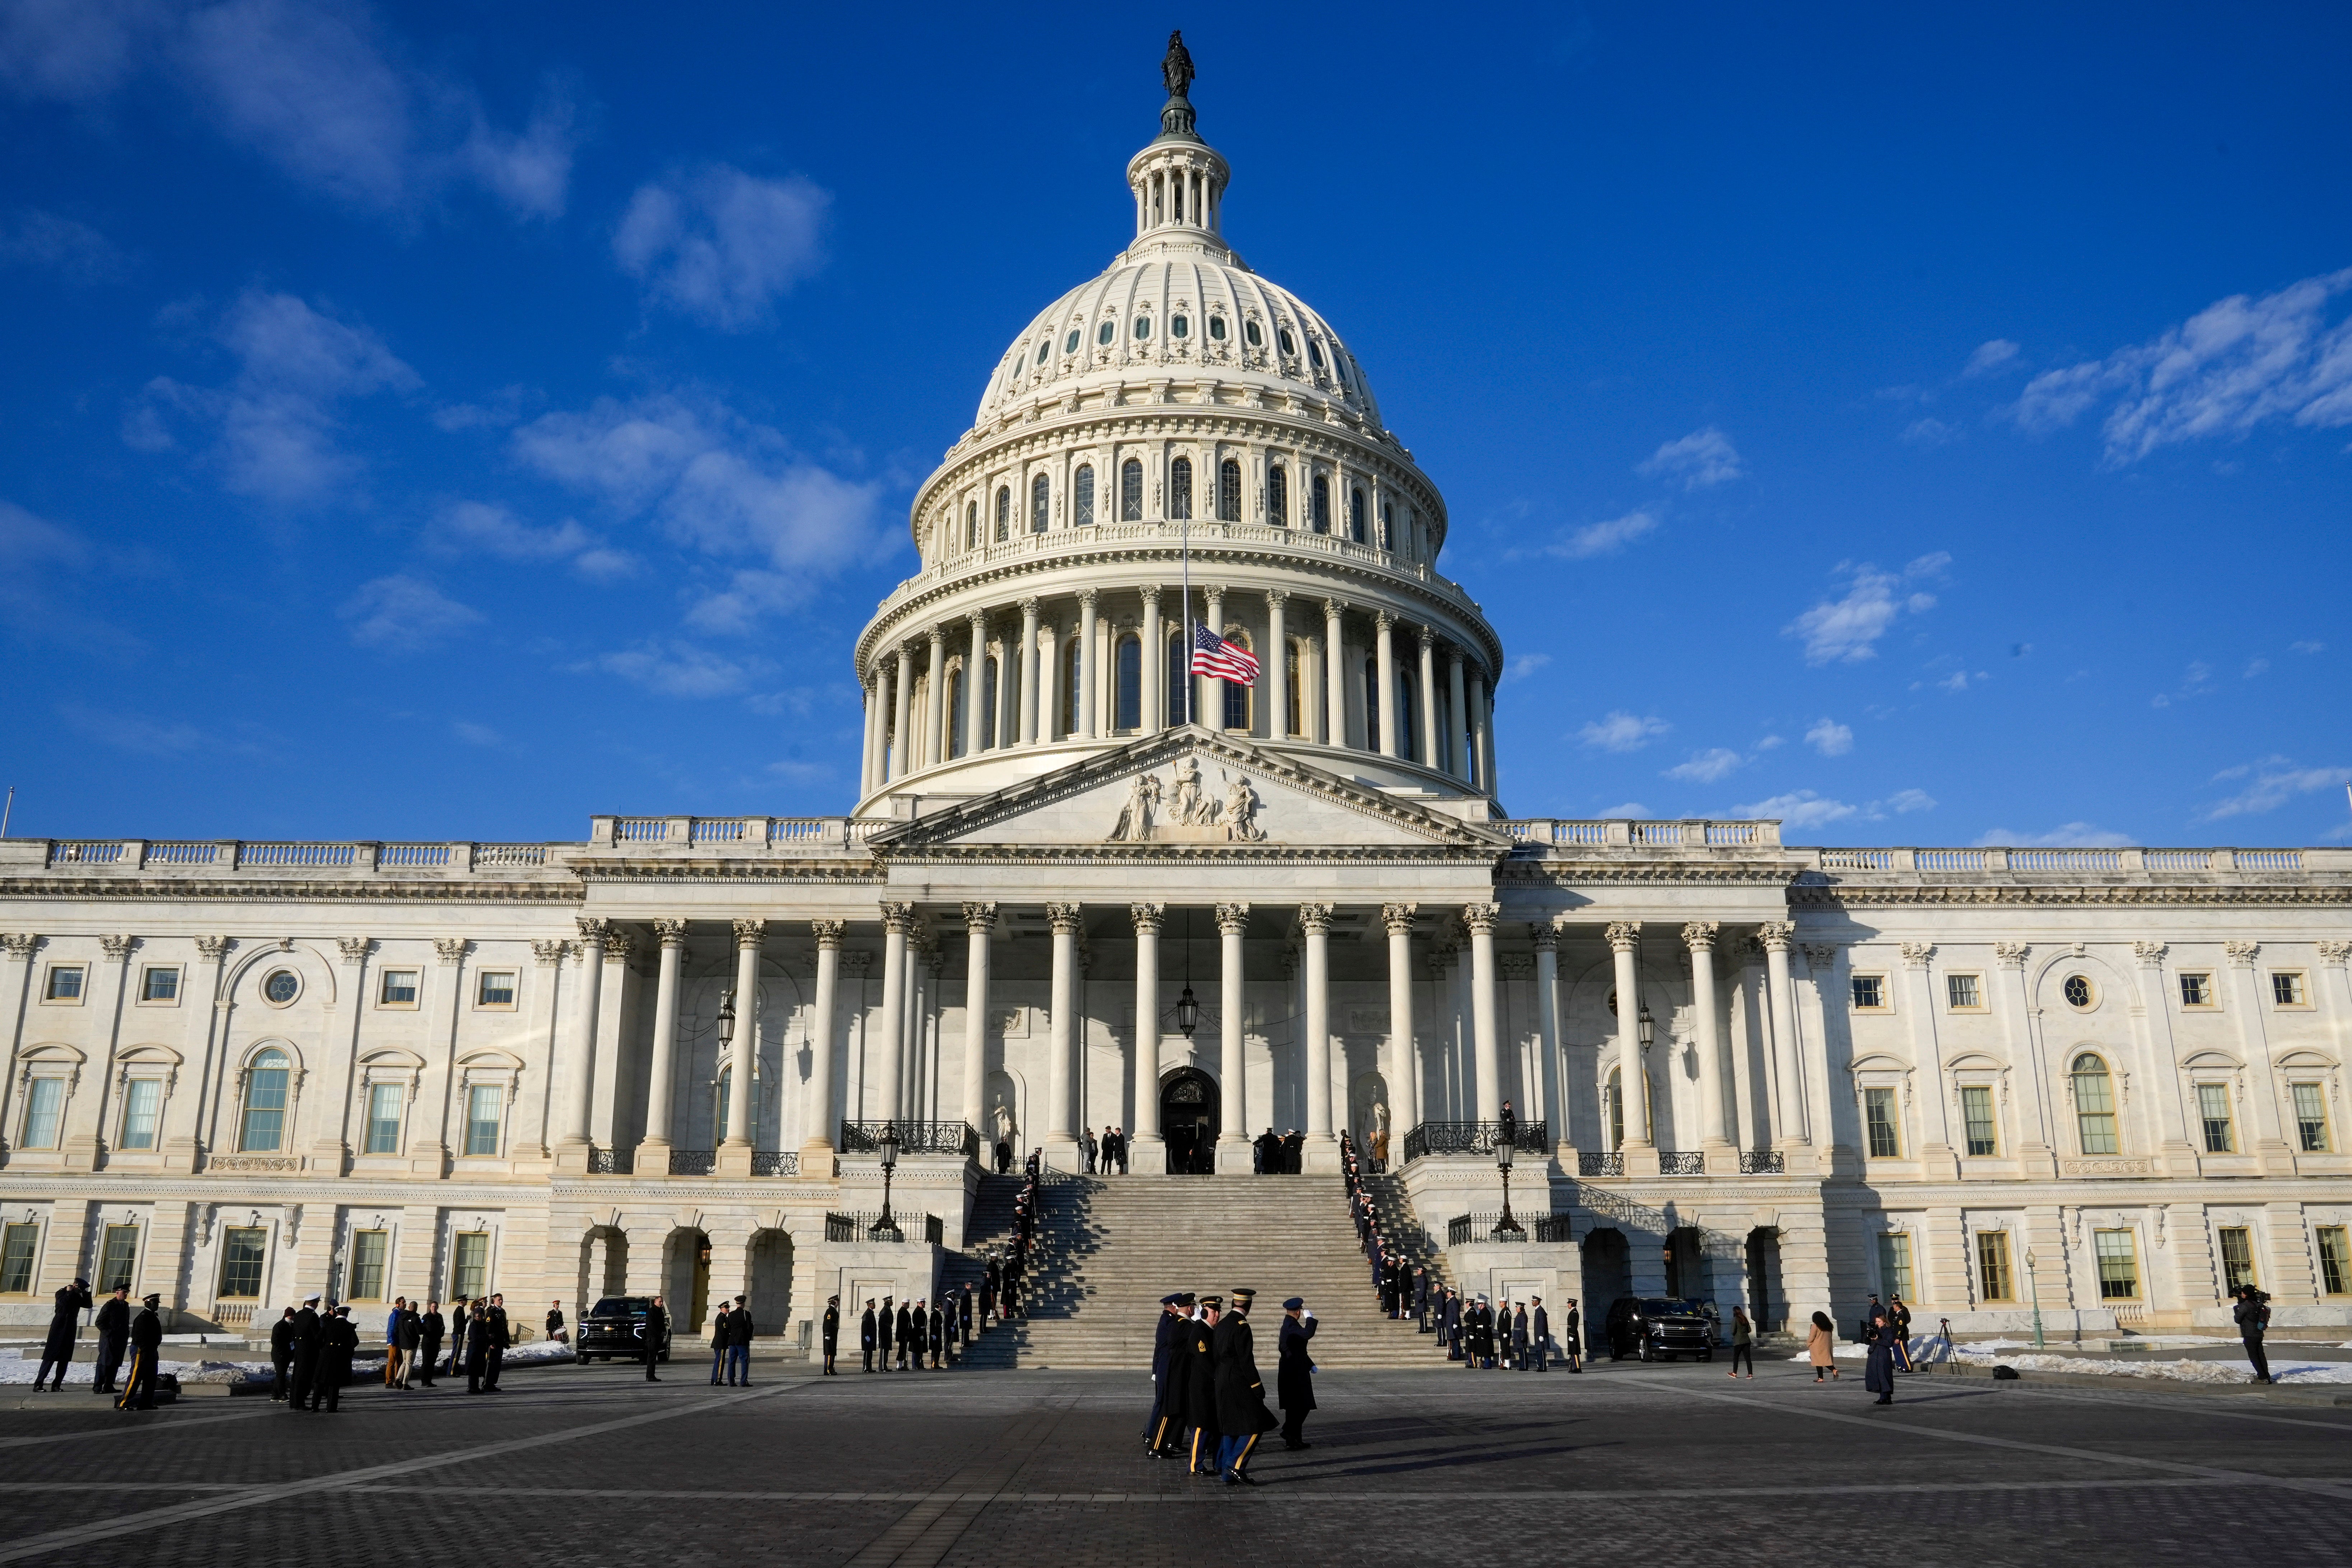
(1083, 888)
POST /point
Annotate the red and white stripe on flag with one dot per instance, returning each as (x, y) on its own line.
(1214, 655)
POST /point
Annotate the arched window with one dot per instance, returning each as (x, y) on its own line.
(1616, 1107)
(1040, 495)
(1178, 680)
(953, 717)
(1356, 515)
(262, 1128)
(1237, 695)
(1322, 521)
(2095, 1104)
(1130, 491)
(1127, 700)
(1229, 492)
(972, 525)
(988, 706)
(1278, 496)
(1179, 490)
(1082, 512)
(1003, 513)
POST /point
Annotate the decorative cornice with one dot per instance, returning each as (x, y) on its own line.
(1528, 872)
(292, 890)
(1855, 896)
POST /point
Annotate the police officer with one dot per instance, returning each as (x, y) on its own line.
(337, 1340)
(866, 1334)
(146, 1341)
(65, 1323)
(832, 1332)
(113, 1333)
(501, 1336)
(305, 1353)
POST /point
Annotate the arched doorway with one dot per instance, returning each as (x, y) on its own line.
(686, 1270)
(1188, 1120)
(1367, 1117)
(1765, 1302)
(771, 1280)
(1686, 1271)
(604, 1265)
(1608, 1274)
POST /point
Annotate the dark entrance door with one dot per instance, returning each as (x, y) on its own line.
(1188, 1120)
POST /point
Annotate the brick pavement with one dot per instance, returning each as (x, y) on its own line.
(594, 1465)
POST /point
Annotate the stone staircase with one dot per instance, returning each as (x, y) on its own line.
(1108, 1248)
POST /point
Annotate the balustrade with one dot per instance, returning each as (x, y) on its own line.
(1473, 1138)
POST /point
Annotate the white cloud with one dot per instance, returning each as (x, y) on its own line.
(404, 614)
(1847, 630)
(74, 50)
(2068, 836)
(2274, 782)
(1909, 800)
(1699, 460)
(1624, 809)
(2307, 645)
(1769, 741)
(1990, 357)
(475, 734)
(1799, 809)
(133, 732)
(722, 246)
(1830, 738)
(2236, 365)
(720, 484)
(1524, 666)
(2197, 681)
(1603, 538)
(1956, 681)
(482, 528)
(1931, 433)
(1706, 767)
(2255, 667)
(73, 251)
(677, 669)
(1622, 732)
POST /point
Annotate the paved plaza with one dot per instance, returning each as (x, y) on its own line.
(595, 1467)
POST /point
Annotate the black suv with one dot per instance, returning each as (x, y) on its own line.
(1660, 1328)
(615, 1329)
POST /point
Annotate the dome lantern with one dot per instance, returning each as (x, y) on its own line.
(1179, 180)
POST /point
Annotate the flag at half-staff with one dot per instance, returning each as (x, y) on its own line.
(1214, 655)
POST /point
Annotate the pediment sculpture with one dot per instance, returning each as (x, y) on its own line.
(1183, 811)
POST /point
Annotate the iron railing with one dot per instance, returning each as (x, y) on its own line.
(1601, 1164)
(693, 1161)
(914, 1137)
(859, 1226)
(1762, 1163)
(1466, 1229)
(610, 1162)
(1681, 1162)
(775, 1162)
(1473, 1138)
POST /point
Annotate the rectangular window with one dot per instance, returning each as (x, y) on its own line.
(45, 1110)
(383, 1117)
(496, 988)
(367, 1265)
(2213, 1109)
(143, 1107)
(2197, 990)
(242, 1251)
(64, 983)
(2335, 1261)
(118, 1262)
(1869, 992)
(159, 983)
(2237, 1257)
(1962, 992)
(470, 1268)
(1994, 1282)
(1895, 1263)
(19, 1245)
(2286, 989)
(2118, 1266)
(1878, 1117)
(399, 988)
(482, 1118)
(2310, 1117)
(1975, 1112)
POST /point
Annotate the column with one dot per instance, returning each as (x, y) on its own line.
(1049, 682)
(1061, 1141)
(743, 1052)
(1144, 1125)
(1480, 919)
(1028, 673)
(1321, 1150)
(1457, 749)
(1634, 1069)
(1311, 725)
(573, 1147)
(1384, 724)
(1335, 677)
(902, 754)
(1153, 655)
(1482, 724)
(1233, 1087)
(1212, 694)
(1546, 938)
(2033, 1147)
(816, 1138)
(866, 758)
(661, 1083)
(1087, 723)
(1937, 1162)
(2178, 1155)
(1699, 937)
(2247, 1005)
(882, 1105)
(1430, 757)
(1404, 1058)
(933, 749)
(1788, 1072)
(975, 670)
(979, 925)
(1277, 666)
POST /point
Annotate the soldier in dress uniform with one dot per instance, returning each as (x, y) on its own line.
(1197, 1352)
(1242, 1414)
(1293, 1374)
(883, 1326)
(832, 1332)
(1571, 1339)
(337, 1340)
(113, 1335)
(1163, 1347)
(904, 1330)
(281, 1356)
(866, 1334)
(146, 1341)
(430, 1326)
(305, 1353)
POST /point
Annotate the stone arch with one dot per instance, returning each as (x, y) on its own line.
(770, 1282)
(686, 1278)
(1004, 1112)
(1608, 1274)
(604, 1265)
(1367, 1121)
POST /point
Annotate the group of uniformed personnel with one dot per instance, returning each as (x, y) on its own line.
(1208, 1403)
(119, 1331)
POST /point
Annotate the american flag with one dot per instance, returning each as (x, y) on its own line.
(1212, 655)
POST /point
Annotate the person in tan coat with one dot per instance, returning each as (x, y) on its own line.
(1821, 1346)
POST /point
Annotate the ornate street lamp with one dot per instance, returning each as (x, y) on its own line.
(886, 1229)
(2034, 1284)
(1649, 1030)
(726, 1018)
(1188, 1012)
(1508, 1229)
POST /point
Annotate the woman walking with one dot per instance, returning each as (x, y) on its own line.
(1821, 1346)
(1743, 1344)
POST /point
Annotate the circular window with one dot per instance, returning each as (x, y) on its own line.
(1109, 330)
(1251, 333)
(1179, 326)
(1142, 328)
(1288, 347)
(282, 986)
(2079, 992)
(1217, 328)
(1071, 347)
(1314, 351)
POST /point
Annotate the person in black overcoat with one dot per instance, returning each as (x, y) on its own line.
(1294, 1374)
(1163, 1350)
(113, 1327)
(461, 1319)
(282, 1355)
(885, 1326)
(905, 1329)
(430, 1326)
(1242, 1414)
(1571, 1336)
(306, 1354)
(832, 1332)
(964, 1305)
(1197, 1352)
(866, 1334)
(656, 1331)
(64, 1323)
(494, 1360)
(338, 1341)
(146, 1334)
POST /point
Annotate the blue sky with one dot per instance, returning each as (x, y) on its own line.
(446, 421)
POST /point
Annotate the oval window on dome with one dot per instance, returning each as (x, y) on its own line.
(1071, 346)
(1217, 329)
(1179, 326)
(1142, 328)
(1251, 333)
(1315, 352)
(1045, 349)
(1283, 338)
(1109, 330)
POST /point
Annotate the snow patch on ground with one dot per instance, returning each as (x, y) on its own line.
(83, 1370)
(1928, 1350)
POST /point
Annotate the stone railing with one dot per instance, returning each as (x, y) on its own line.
(200, 856)
(2127, 860)
(860, 1227)
(1628, 833)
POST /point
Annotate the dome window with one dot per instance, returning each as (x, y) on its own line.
(1130, 491)
(1179, 326)
(1250, 335)
(1356, 515)
(1109, 330)
(1040, 496)
(1082, 505)
(1315, 352)
(1003, 513)
(1321, 504)
(1282, 337)
(1278, 496)
(1071, 346)
(972, 526)
(1229, 492)
(1142, 328)
(1043, 350)
(1216, 329)
(1179, 490)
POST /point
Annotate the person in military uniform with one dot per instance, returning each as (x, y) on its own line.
(64, 1323)
(904, 1330)
(865, 1338)
(832, 1332)
(338, 1341)
(1293, 1374)
(884, 1326)
(1242, 1414)
(1163, 1341)
(281, 1356)
(146, 1334)
(494, 1358)
(1197, 1352)
(306, 1354)
(430, 1326)
(113, 1334)
(1571, 1336)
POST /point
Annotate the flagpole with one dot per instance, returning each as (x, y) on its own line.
(1184, 550)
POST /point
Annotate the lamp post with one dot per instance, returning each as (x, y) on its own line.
(2035, 1285)
(1188, 1012)
(1508, 1229)
(886, 1229)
